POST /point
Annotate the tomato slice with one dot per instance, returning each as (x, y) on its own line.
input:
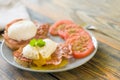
(82, 44)
(74, 35)
(59, 25)
(86, 51)
(69, 30)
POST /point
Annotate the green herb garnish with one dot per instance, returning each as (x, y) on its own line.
(39, 42)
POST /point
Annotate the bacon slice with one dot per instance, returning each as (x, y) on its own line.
(18, 54)
(42, 31)
(62, 51)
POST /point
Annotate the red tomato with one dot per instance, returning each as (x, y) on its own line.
(82, 44)
(74, 35)
(86, 51)
(60, 25)
(69, 30)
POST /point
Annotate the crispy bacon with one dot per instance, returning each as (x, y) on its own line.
(42, 31)
(62, 51)
(18, 54)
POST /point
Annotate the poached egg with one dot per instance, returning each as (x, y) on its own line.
(34, 52)
(22, 30)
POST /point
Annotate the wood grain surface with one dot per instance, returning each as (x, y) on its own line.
(103, 14)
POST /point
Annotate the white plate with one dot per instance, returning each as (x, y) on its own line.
(7, 55)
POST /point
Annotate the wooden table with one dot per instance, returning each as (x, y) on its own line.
(104, 14)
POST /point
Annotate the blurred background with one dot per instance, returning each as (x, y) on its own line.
(90, 11)
(100, 13)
